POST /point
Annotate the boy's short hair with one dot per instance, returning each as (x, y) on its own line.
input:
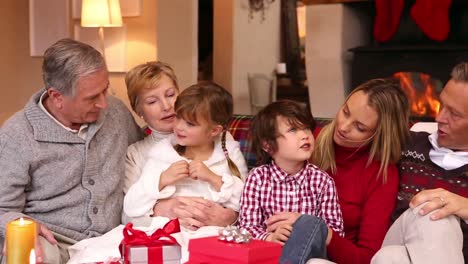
(264, 129)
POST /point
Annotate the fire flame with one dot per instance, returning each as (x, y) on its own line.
(32, 257)
(423, 100)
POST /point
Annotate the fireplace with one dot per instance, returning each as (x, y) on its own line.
(422, 65)
(423, 94)
(376, 61)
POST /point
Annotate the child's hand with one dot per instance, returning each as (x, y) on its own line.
(281, 218)
(177, 171)
(281, 234)
(198, 170)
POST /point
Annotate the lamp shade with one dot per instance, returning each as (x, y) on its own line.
(101, 13)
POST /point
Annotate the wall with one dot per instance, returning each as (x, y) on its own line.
(166, 30)
(331, 29)
(141, 47)
(223, 27)
(20, 73)
(176, 38)
(244, 45)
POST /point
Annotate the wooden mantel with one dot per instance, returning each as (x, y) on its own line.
(320, 2)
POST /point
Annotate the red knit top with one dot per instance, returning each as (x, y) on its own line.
(366, 203)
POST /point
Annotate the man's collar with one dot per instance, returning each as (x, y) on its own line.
(435, 144)
(44, 95)
(444, 157)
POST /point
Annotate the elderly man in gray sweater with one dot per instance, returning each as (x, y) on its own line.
(62, 156)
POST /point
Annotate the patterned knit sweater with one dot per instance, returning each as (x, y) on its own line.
(418, 172)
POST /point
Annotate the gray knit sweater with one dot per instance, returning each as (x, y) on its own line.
(73, 186)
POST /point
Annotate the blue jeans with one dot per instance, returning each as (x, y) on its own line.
(307, 240)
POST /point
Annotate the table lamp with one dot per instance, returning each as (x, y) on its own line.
(101, 13)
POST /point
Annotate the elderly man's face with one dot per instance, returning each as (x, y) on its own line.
(88, 101)
(453, 116)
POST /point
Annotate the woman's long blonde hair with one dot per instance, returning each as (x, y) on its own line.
(391, 135)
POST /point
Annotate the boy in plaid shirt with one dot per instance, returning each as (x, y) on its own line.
(286, 199)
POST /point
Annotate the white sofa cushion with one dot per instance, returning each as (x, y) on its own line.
(429, 127)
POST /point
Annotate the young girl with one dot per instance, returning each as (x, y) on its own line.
(202, 164)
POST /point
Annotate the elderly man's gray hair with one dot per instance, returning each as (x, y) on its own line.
(66, 61)
(460, 72)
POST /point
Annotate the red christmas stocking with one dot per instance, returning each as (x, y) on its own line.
(387, 19)
(432, 17)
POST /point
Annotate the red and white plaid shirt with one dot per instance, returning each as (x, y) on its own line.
(269, 190)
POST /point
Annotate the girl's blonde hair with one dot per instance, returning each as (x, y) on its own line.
(211, 102)
(391, 135)
(145, 76)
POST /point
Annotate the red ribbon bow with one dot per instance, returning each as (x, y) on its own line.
(134, 237)
(138, 237)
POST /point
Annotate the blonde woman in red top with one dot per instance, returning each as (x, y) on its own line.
(359, 150)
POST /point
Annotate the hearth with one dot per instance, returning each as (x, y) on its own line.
(383, 61)
(423, 94)
(423, 65)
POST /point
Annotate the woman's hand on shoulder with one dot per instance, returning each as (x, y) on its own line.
(447, 202)
(177, 171)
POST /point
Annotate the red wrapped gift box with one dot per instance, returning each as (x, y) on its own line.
(158, 248)
(167, 254)
(211, 250)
